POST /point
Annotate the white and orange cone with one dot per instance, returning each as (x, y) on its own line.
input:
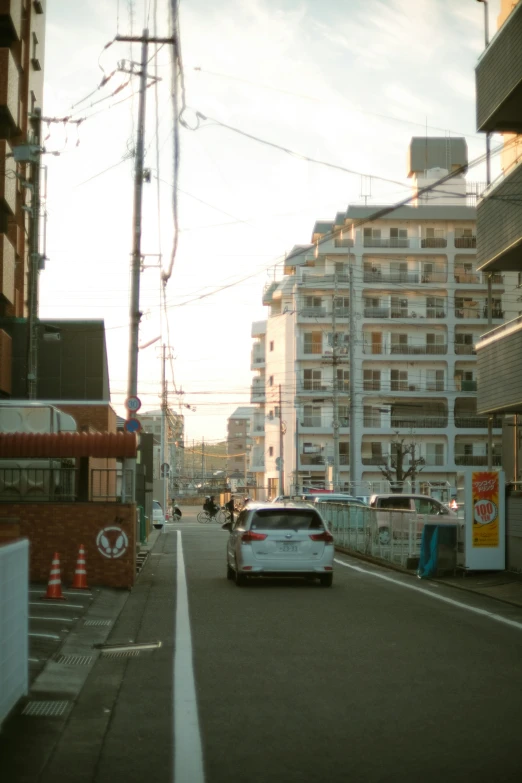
(54, 586)
(80, 573)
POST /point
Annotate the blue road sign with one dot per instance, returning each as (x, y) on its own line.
(132, 425)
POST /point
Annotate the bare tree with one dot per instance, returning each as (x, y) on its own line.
(394, 470)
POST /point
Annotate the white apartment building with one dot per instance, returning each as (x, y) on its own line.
(419, 307)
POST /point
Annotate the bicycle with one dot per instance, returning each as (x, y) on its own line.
(204, 517)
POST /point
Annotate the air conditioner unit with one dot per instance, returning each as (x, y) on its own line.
(52, 337)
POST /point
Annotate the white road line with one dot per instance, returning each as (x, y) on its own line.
(44, 635)
(57, 619)
(62, 606)
(188, 752)
(436, 596)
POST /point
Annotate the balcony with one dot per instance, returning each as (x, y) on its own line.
(376, 312)
(10, 21)
(7, 270)
(470, 243)
(465, 386)
(9, 106)
(323, 280)
(374, 460)
(418, 350)
(414, 422)
(312, 312)
(468, 277)
(8, 179)
(342, 312)
(344, 459)
(465, 349)
(476, 460)
(434, 242)
(391, 242)
(312, 459)
(343, 242)
(499, 79)
(316, 422)
(499, 224)
(268, 293)
(435, 460)
(378, 276)
(257, 393)
(311, 387)
(476, 422)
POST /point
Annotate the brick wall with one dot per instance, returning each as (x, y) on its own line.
(91, 418)
(62, 528)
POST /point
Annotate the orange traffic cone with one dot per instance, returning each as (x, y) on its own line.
(54, 586)
(80, 574)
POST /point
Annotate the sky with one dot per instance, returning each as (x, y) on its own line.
(348, 83)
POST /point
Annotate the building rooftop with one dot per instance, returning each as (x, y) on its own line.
(443, 212)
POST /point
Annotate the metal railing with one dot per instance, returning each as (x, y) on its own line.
(61, 485)
(476, 421)
(467, 242)
(477, 459)
(14, 624)
(393, 536)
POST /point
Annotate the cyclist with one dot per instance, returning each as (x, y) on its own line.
(210, 506)
(230, 507)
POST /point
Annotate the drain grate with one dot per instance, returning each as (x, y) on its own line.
(120, 653)
(45, 709)
(93, 623)
(74, 660)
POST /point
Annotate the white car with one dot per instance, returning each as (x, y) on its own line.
(158, 517)
(279, 539)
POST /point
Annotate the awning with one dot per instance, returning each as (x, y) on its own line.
(23, 445)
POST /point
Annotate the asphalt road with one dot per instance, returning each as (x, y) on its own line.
(380, 678)
(367, 681)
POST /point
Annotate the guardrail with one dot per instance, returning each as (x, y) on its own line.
(14, 598)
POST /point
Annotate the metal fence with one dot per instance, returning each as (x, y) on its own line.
(14, 597)
(393, 536)
(61, 485)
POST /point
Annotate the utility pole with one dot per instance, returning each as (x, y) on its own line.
(134, 309)
(353, 444)
(335, 422)
(281, 447)
(203, 459)
(163, 440)
(34, 261)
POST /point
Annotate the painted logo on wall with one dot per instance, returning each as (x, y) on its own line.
(112, 542)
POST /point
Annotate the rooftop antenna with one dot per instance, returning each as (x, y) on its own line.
(366, 185)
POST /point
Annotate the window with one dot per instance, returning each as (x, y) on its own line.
(312, 380)
(340, 340)
(271, 345)
(435, 307)
(399, 380)
(271, 380)
(313, 301)
(344, 415)
(372, 380)
(434, 233)
(313, 343)
(376, 450)
(435, 454)
(342, 306)
(270, 451)
(312, 416)
(277, 412)
(435, 380)
(374, 233)
(343, 380)
(399, 307)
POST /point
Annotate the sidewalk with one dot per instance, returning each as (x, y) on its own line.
(502, 585)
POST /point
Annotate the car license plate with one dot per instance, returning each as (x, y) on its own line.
(288, 548)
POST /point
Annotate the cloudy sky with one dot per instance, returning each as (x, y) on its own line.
(345, 82)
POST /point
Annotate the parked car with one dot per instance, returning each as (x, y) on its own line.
(394, 512)
(158, 517)
(337, 498)
(279, 539)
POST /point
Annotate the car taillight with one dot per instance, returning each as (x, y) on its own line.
(324, 536)
(249, 536)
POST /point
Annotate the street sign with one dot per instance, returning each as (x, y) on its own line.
(133, 404)
(132, 425)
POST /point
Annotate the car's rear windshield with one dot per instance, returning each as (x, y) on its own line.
(286, 519)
